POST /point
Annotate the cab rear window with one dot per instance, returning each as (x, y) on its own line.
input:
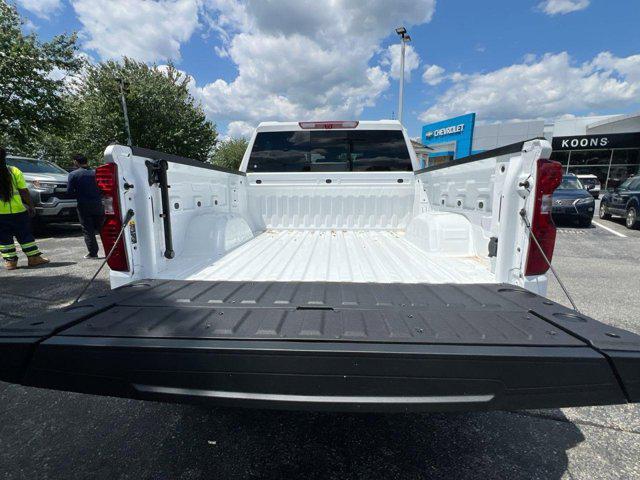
(330, 151)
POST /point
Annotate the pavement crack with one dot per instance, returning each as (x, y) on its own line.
(575, 422)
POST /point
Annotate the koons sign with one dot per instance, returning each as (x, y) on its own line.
(585, 142)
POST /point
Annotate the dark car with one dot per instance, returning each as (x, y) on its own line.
(623, 201)
(571, 202)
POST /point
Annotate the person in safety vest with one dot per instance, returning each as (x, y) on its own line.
(16, 211)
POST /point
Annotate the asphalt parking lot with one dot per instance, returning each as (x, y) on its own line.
(47, 434)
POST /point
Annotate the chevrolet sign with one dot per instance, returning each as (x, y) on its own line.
(456, 133)
(445, 131)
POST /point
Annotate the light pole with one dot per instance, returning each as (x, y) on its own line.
(124, 86)
(404, 39)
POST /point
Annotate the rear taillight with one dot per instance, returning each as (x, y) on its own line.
(549, 176)
(107, 180)
(328, 125)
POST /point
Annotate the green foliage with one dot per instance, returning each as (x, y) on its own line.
(44, 114)
(229, 153)
(163, 115)
(32, 85)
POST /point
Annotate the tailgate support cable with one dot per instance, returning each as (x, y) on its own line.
(126, 221)
(523, 214)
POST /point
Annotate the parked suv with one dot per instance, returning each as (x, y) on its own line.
(47, 183)
(591, 183)
(623, 201)
(572, 202)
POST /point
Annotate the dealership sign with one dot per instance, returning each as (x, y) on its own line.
(584, 142)
(589, 142)
(457, 131)
(445, 131)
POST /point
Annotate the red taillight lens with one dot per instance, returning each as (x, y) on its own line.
(549, 176)
(107, 180)
(328, 125)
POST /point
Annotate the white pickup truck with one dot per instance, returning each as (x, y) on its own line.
(329, 272)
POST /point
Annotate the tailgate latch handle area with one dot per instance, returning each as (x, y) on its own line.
(158, 175)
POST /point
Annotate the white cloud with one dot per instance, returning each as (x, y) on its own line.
(240, 129)
(433, 75)
(296, 59)
(627, 67)
(304, 59)
(562, 7)
(391, 59)
(41, 8)
(548, 87)
(147, 30)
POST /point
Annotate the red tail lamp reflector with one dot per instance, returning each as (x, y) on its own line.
(328, 125)
(107, 180)
(549, 176)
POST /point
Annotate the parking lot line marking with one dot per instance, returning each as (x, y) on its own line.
(609, 229)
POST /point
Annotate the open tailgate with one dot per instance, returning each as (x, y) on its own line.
(333, 346)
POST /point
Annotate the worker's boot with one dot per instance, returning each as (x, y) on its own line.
(36, 260)
(11, 264)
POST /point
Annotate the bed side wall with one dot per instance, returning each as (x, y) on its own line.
(464, 195)
(489, 194)
(208, 211)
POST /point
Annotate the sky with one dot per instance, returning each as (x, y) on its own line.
(260, 60)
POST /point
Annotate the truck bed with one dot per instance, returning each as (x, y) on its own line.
(324, 345)
(380, 256)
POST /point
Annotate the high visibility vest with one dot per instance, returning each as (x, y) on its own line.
(14, 205)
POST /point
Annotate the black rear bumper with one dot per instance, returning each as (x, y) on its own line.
(327, 376)
(331, 347)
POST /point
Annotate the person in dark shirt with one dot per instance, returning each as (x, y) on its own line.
(82, 185)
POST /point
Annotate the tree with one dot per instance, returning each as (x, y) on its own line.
(32, 82)
(163, 115)
(229, 153)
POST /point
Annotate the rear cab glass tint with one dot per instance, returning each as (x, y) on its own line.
(330, 151)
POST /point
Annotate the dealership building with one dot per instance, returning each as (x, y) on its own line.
(605, 146)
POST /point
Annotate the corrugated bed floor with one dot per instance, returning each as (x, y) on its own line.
(340, 256)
